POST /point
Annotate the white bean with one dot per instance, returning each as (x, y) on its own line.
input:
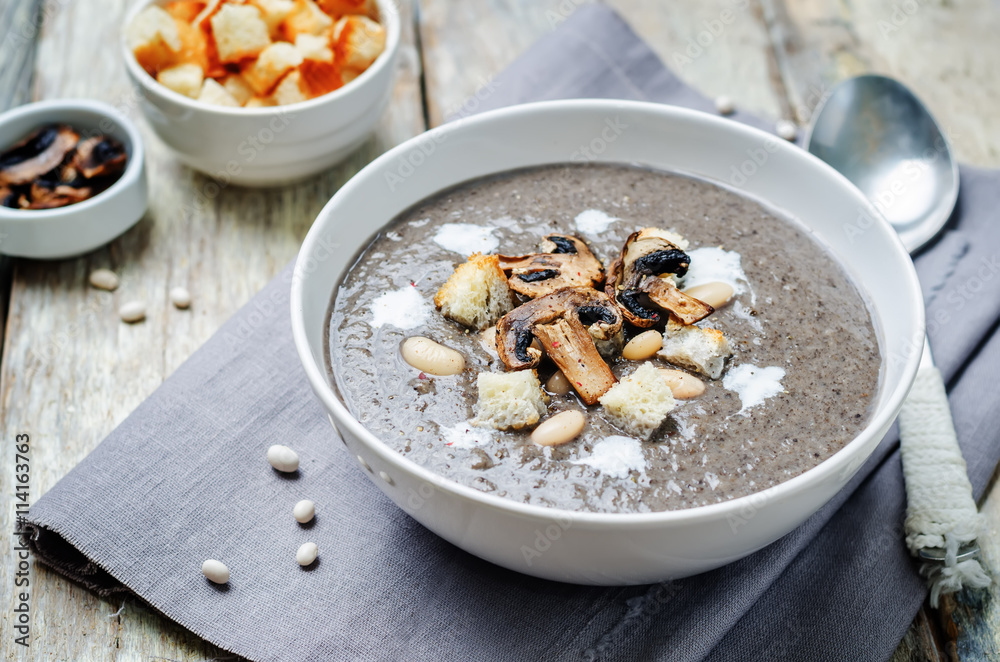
(104, 279)
(180, 297)
(558, 384)
(215, 571)
(283, 458)
(715, 294)
(307, 553)
(725, 105)
(559, 429)
(304, 511)
(786, 129)
(132, 312)
(433, 358)
(643, 346)
(683, 385)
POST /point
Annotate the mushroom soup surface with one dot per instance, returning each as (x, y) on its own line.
(541, 278)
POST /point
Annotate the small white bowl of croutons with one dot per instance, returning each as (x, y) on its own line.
(262, 92)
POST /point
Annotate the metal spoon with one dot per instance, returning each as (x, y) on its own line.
(875, 132)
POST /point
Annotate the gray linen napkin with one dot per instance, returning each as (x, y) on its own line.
(184, 478)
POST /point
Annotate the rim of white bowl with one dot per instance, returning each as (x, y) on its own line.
(388, 16)
(133, 168)
(838, 462)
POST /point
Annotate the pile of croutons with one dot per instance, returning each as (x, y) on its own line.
(256, 53)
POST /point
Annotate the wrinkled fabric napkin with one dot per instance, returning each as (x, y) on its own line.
(183, 479)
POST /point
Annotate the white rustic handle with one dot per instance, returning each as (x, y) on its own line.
(940, 511)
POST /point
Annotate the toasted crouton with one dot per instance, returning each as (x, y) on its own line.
(320, 77)
(347, 75)
(184, 10)
(260, 102)
(342, 7)
(639, 403)
(274, 62)
(509, 400)
(314, 48)
(215, 94)
(152, 35)
(274, 12)
(358, 40)
(290, 90)
(477, 294)
(212, 8)
(699, 349)
(239, 88)
(239, 32)
(184, 79)
(194, 45)
(306, 18)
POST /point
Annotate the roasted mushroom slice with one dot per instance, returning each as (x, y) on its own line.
(99, 156)
(645, 270)
(567, 323)
(41, 152)
(564, 261)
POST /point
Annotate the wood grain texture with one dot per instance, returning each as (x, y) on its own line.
(71, 370)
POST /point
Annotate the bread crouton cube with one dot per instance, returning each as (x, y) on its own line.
(639, 403)
(239, 32)
(273, 62)
(347, 75)
(217, 95)
(358, 40)
(153, 37)
(194, 45)
(260, 102)
(274, 13)
(306, 18)
(509, 400)
(342, 7)
(184, 79)
(212, 8)
(290, 90)
(316, 48)
(698, 349)
(237, 86)
(319, 77)
(477, 294)
(184, 10)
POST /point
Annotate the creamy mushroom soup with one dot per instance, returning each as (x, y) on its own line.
(796, 382)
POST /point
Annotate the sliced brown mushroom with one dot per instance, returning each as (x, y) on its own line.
(99, 156)
(567, 323)
(644, 271)
(38, 154)
(564, 261)
(44, 197)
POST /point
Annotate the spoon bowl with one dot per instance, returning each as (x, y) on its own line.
(883, 139)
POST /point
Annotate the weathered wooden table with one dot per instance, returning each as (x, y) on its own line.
(71, 370)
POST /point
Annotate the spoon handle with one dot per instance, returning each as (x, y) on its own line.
(942, 521)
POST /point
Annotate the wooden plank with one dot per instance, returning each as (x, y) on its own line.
(945, 52)
(714, 45)
(71, 371)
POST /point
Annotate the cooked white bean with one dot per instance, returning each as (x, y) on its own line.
(558, 383)
(786, 129)
(104, 279)
(643, 346)
(683, 385)
(132, 312)
(304, 511)
(180, 297)
(433, 358)
(559, 429)
(307, 553)
(283, 458)
(715, 294)
(725, 105)
(215, 571)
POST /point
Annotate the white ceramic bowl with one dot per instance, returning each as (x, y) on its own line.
(268, 146)
(75, 229)
(593, 548)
